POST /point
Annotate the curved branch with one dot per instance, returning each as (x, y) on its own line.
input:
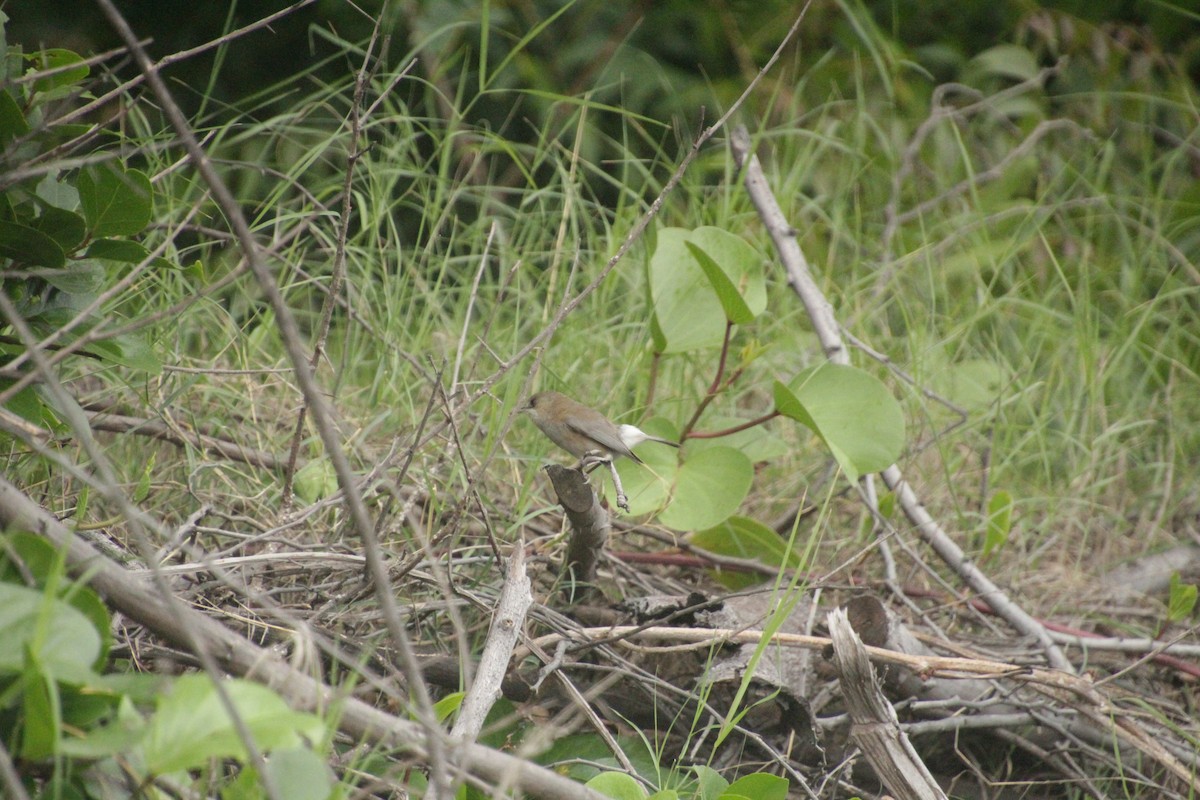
(825, 324)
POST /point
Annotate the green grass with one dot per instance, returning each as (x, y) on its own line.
(1056, 302)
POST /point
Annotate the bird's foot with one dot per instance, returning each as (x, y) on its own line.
(592, 459)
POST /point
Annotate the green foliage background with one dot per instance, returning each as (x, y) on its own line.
(1025, 250)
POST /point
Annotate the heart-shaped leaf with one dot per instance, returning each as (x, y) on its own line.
(851, 410)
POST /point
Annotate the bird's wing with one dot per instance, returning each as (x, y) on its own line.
(603, 433)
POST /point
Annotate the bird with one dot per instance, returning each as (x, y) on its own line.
(584, 432)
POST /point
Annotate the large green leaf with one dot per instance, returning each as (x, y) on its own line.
(709, 487)
(686, 309)
(25, 555)
(191, 724)
(61, 638)
(115, 201)
(66, 228)
(851, 411)
(735, 271)
(759, 443)
(30, 246)
(698, 280)
(300, 774)
(85, 278)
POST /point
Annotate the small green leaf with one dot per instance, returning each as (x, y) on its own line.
(122, 250)
(116, 202)
(40, 712)
(57, 193)
(142, 491)
(1181, 599)
(12, 120)
(315, 480)
(852, 412)
(28, 404)
(129, 350)
(887, 505)
(617, 785)
(119, 736)
(53, 58)
(744, 538)
(999, 522)
(1007, 61)
(759, 786)
(443, 708)
(698, 280)
(29, 246)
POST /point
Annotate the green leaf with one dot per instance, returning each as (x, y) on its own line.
(744, 538)
(972, 383)
(443, 708)
(191, 725)
(28, 404)
(30, 246)
(118, 736)
(66, 228)
(142, 490)
(1181, 599)
(617, 785)
(733, 269)
(79, 277)
(709, 487)
(122, 250)
(62, 639)
(315, 480)
(129, 350)
(710, 783)
(300, 774)
(12, 120)
(759, 443)
(999, 521)
(116, 202)
(759, 786)
(852, 412)
(42, 723)
(1007, 61)
(687, 312)
(55, 57)
(57, 193)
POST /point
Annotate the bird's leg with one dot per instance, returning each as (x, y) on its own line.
(593, 459)
(622, 500)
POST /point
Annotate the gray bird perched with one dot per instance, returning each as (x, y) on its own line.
(583, 432)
